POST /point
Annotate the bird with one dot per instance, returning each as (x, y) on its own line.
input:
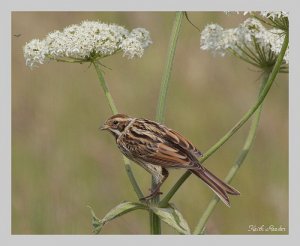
(157, 148)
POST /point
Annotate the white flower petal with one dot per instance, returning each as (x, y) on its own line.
(245, 37)
(90, 39)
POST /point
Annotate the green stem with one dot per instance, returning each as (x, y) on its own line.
(155, 225)
(242, 57)
(238, 125)
(261, 98)
(161, 106)
(200, 228)
(132, 179)
(104, 86)
(115, 111)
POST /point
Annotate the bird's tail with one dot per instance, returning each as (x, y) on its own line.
(217, 185)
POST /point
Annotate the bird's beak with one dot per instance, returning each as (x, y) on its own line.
(104, 127)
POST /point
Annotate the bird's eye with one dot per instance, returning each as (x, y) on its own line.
(115, 122)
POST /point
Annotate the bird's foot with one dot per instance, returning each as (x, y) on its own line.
(153, 194)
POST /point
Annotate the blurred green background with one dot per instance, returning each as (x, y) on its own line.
(61, 162)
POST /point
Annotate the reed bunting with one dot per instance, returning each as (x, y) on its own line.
(157, 148)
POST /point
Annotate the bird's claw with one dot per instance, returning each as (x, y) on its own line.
(151, 195)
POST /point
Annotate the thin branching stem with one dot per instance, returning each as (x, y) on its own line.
(237, 126)
(114, 110)
(161, 106)
(200, 228)
(155, 225)
(254, 58)
(253, 53)
(233, 52)
(264, 21)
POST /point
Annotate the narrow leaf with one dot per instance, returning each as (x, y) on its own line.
(122, 208)
(172, 217)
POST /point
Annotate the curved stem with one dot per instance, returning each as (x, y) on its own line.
(238, 125)
(115, 111)
(155, 226)
(200, 228)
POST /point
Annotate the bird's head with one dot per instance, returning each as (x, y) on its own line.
(116, 124)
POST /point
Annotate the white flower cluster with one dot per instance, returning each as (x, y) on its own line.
(274, 14)
(87, 41)
(267, 14)
(245, 38)
(136, 42)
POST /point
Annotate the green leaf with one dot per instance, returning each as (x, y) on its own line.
(122, 208)
(172, 217)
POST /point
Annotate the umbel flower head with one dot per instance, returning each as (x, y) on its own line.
(276, 19)
(250, 41)
(89, 41)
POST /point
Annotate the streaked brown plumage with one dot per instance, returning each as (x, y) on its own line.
(157, 148)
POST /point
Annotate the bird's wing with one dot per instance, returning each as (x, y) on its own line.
(172, 156)
(171, 136)
(177, 139)
(165, 148)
